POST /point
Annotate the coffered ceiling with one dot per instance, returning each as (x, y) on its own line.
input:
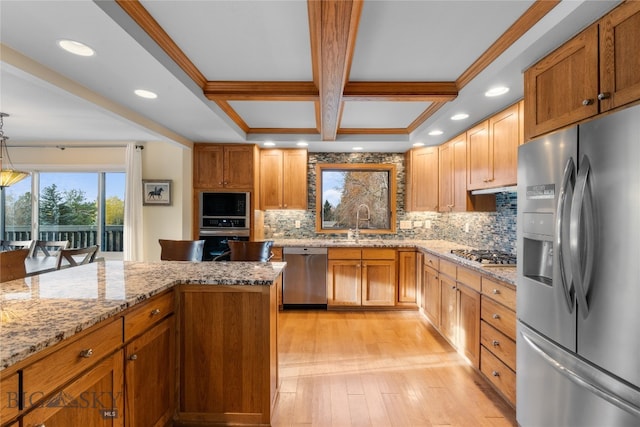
(380, 74)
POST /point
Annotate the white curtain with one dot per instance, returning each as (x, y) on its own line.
(133, 205)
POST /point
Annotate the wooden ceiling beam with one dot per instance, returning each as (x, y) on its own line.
(261, 91)
(400, 91)
(333, 27)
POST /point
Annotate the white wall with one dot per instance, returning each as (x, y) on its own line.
(167, 161)
(159, 161)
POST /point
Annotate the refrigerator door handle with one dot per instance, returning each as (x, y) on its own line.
(567, 180)
(601, 384)
(582, 263)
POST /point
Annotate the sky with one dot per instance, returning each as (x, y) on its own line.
(332, 184)
(87, 182)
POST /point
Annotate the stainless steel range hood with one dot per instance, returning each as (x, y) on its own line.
(510, 189)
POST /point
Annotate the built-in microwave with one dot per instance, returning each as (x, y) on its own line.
(225, 210)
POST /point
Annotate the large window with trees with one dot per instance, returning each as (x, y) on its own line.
(356, 196)
(85, 208)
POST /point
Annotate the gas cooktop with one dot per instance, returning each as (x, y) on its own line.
(485, 256)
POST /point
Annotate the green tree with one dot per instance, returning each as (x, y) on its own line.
(327, 211)
(68, 208)
(114, 211)
(21, 212)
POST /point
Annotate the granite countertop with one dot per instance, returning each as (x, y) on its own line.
(39, 311)
(441, 248)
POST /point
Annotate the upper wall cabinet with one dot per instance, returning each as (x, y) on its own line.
(283, 179)
(492, 150)
(594, 72)
(224, 166)
(422, 179)
(453, 194)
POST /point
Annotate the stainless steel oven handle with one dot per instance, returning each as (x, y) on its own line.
(567, 180)
(582, 207)
(224, 232)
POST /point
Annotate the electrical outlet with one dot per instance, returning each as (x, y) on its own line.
(297, 223)
(417, 224)
(466, 227)
(405, 225)
(427, 224)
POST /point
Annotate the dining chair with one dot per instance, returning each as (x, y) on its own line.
(71, 256)
(250, 251)
(49, 247)
(9, 245)
(181, 250)
(12, 264)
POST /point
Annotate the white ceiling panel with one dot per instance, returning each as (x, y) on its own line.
(240, 40)
(375, 114)
(276, 114)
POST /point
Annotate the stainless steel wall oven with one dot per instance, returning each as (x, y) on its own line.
(224, 216)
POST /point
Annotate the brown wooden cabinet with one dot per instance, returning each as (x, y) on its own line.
(93, 399)
(422, 179)
(150, 376)
(448, 308)
(431, 289)
(595, 71)
(492, 150)
(224, 166)
(468, 339)
(9, 397)
(407, 277)
(228, 354)
(283, 179)
(498, 336)
(361, 276)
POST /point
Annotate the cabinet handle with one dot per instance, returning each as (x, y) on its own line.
(41, 425)
(495, 343)
(453, 287)
(496, 291)
(155, 311)
(604, 95)
(496, 316)
(495, 373)
(86, 353)
(586, 102)
(133, 357)
(219, 183)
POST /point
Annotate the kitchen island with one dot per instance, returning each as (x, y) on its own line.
(84, 331)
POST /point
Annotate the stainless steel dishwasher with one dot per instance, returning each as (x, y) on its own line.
(305, 278)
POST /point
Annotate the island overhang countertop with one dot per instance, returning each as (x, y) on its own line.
(40, 311)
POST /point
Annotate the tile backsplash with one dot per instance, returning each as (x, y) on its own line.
(485, 230)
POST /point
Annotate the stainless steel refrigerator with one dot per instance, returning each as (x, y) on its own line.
(578, 287)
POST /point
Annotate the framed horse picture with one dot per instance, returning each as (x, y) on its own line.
(156, 192)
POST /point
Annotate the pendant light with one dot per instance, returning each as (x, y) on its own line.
(8, 176)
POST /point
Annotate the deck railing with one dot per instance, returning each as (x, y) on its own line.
(78, 236)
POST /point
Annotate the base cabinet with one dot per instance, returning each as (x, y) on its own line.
(361, 277)
(150, 376)
(94, 399)
(228, 354)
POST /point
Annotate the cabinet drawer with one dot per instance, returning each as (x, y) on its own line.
(449, 268)
(432, 261)
(499, 292)
(499, 317)
(52, 371)
(503, 347)
(9, 392)
(149, 313)
(277, 254)
(503, 378)
(469, 278)
(375, 253)
(344, 253)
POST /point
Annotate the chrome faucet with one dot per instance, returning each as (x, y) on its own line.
(367, 219)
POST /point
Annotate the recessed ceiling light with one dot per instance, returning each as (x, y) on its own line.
(435, 133)
(459, 116)
(496, 91)
(357, 148)
(301, 144)
(145, 94)
(269, 144)
(418, 144)
(76, 48)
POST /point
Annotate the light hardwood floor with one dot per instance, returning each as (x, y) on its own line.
(382, 369)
